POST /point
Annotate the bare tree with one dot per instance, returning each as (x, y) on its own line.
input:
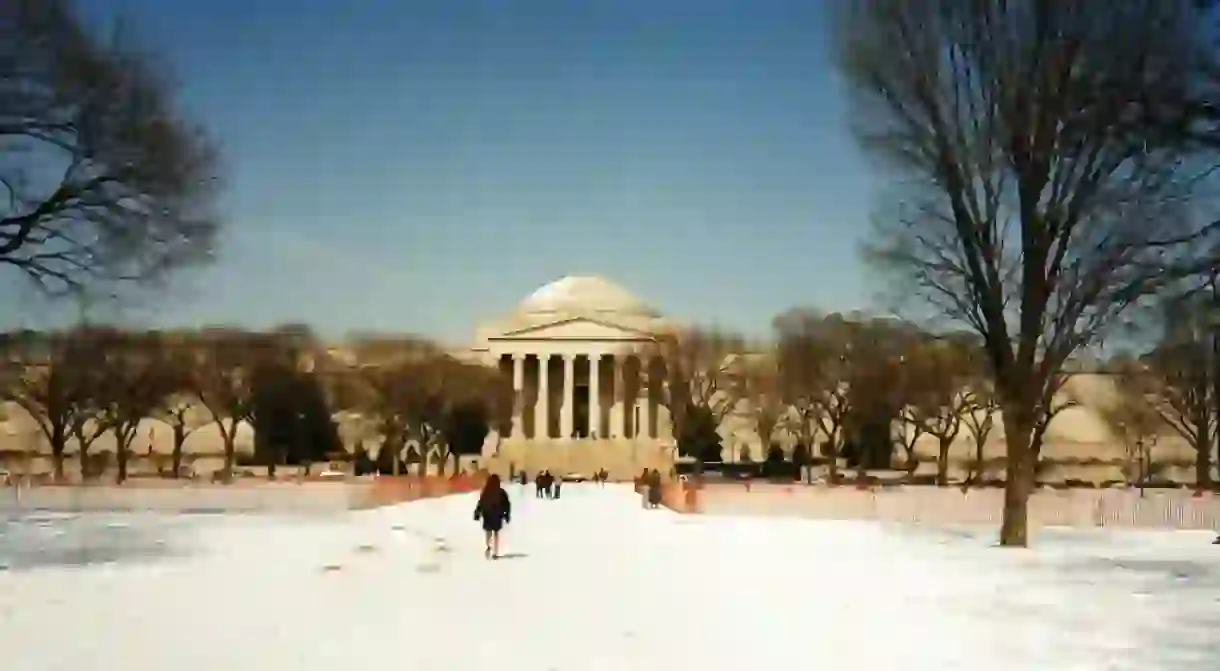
(1178, 378)
(93, 394)
(226, 361)
(385, 396)
(103, 180)
(477, 397)
(940, 384)
(876, 389)
(757, 386)
(812, 362)
(1133, 419)
(400, 384)
(46, 379)
(180, 407)
(1048, 163)
(699, 368)
(911, 431)
(979, 418)
(138, 382)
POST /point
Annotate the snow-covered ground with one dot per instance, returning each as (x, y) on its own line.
(592, 581)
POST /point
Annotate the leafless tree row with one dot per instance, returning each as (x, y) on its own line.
(825, 377)
(80, 384)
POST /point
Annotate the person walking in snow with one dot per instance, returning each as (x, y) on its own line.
(494, 510)
(654, 489)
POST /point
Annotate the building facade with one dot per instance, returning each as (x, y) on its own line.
(586, 400)
(587, 391)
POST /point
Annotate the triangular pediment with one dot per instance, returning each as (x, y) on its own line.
(575, 328)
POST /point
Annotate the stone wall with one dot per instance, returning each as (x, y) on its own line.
(304, 498)
(1174, 509)
(173, 497)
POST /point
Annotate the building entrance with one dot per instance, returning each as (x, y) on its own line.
(580, 411)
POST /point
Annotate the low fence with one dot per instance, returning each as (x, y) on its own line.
(389, 490)
(1176, 509)
(678, 496)
(305, 497)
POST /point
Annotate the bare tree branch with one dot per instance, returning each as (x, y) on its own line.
(103, 182)
(1051, 160)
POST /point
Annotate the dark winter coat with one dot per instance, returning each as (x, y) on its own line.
(494, 511)
(654, 491)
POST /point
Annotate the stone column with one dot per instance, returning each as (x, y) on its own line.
(518, 394)
(616, 407)
(645, 401)
(569, 396)
(595, 397)
(542, 415)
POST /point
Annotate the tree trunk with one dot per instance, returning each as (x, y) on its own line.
(979, 469)
(82, 455)
(832, 473)
(389, 443)
(121, 446)
(912, 459)
(1203, 465)
(230, 440)
(176, 454)
(58, 444)
(1019, 479)
(942, 462)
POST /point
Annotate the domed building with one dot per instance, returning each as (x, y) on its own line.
(573, 349)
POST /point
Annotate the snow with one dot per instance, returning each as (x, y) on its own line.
(593, 581)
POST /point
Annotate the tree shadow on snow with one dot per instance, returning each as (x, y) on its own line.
(34, 542)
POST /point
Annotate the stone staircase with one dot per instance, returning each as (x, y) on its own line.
(623, 459)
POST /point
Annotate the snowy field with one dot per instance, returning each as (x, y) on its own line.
(592, 581)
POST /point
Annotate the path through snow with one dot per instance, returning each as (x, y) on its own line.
(595, 582)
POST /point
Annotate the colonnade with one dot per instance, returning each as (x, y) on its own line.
(629, 379)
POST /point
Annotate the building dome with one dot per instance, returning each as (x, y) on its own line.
(583, 293)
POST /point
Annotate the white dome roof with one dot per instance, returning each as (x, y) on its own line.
(583, 293)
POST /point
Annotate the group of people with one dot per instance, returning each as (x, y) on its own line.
(546, 485)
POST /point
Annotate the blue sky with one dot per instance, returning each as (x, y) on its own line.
(422, 165)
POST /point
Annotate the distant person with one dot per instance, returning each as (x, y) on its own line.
(494, 510)
(555, 489)
(654, 489)
(540, 484)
